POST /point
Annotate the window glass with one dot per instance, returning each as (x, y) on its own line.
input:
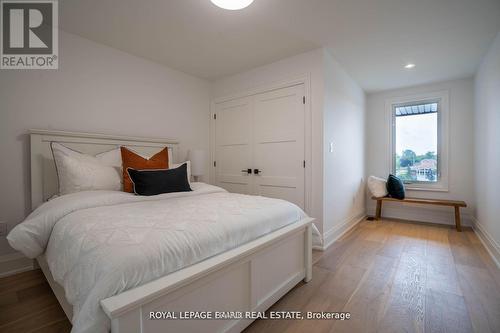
(415, 142)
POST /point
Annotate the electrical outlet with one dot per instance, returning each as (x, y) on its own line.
(3, 228)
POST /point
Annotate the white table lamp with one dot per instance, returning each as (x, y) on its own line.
(198, 160)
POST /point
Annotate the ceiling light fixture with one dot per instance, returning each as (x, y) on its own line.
(232, 4)
(410, 66)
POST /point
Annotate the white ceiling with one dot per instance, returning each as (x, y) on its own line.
(372, 39)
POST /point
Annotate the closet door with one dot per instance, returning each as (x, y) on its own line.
(278, 144)
(233, 145)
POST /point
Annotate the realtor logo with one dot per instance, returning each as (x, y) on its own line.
(29, 34)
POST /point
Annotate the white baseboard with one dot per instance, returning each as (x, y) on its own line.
(14, 263)
(489, 243)
(330, 236)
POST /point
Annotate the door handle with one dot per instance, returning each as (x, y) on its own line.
(249, 171)
(256, 171)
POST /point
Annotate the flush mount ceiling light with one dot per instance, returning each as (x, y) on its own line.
(232, 4)
(410, 66)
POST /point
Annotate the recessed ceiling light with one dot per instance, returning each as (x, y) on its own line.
(232, 4)
(410, 66)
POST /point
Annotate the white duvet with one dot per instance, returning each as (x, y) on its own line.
(101, 243)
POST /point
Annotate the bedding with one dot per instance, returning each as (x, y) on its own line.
(133, 160)
(77, 171)
(176, 165)
(101, 243)
(154, 182)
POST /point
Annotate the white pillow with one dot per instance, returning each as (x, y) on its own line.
(377, 186)
(82, 172)
(176, 165)
(111, 158)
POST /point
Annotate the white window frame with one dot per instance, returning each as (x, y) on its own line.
(443, 137)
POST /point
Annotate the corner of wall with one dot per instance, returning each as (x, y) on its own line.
(343, 149)
(486, 158)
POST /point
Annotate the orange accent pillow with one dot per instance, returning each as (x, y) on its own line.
(134, 161)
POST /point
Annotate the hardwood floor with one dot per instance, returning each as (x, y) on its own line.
(395, 276)
(391, 276)
(27, 304)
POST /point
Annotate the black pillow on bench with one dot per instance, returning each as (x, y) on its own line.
(395, 187)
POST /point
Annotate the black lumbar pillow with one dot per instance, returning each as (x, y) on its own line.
(153, 182)
(395, 187)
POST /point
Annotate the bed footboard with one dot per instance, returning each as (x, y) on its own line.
(251, 277)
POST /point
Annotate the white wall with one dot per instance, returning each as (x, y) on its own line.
(306, 64)
(461, 151)
(344, 167)
(338, 114)
(96, 89)
(487, 147)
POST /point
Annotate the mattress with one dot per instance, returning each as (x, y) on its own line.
(100, 243)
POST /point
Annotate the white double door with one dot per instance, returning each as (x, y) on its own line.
(259, 144)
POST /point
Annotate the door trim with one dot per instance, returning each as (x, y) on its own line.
(306, 81)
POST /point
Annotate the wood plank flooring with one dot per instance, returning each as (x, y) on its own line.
(27, 304)
(394, 276)
(391, 276)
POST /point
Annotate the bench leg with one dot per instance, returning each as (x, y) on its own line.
(457, 219)
(378, 214)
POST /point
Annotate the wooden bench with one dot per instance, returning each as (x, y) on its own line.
(420, 201)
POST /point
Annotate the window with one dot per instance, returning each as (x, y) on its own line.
(416, 141)
(419, 145)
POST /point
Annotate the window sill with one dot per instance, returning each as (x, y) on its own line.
(427, 189)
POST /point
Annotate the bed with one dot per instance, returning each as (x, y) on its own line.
(205, 250)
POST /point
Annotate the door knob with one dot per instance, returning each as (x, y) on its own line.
(256, 171)
(249, 171)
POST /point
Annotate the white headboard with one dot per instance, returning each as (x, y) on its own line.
(44, 182)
